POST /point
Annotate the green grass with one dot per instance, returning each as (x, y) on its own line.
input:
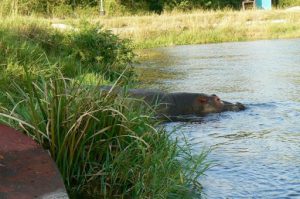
(287, 3)
(102, 146)
(32, 42)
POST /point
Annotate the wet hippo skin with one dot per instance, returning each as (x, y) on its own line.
(172, 105)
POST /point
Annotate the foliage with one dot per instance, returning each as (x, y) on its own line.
(205, 26)
(31, 6)
(102, 147)
(84, 49)
(204, 4)
(159, 6)
(53, 7)
(286, 3)
(113, 7)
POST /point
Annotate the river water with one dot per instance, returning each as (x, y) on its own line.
(256, 153)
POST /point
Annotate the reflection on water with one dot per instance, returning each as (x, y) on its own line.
(257, 152)
(151, 70)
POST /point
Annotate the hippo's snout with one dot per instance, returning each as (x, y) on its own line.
(233, 107)
(240, 106)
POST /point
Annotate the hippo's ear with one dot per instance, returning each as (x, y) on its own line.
(202, 100)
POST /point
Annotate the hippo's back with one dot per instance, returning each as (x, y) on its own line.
(151, 96)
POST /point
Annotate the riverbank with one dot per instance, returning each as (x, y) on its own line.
(255, 150)
(194, 27)
(201, 27)
(109, 134)
(103, 145)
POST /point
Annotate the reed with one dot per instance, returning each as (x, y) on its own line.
(102, 146)
(86, 49)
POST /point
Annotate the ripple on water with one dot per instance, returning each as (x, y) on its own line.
(256, 151)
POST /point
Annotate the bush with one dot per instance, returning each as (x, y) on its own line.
(84, 49)
(26, 7)
(113, 7)
(201, 4)
(287, 3)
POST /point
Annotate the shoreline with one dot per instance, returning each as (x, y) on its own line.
(204, 27)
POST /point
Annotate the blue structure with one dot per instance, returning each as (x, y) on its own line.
(264, 4)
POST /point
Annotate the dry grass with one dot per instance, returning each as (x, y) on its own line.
(196, 27)
(199, 27)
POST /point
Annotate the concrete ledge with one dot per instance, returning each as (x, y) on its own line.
(26, 169)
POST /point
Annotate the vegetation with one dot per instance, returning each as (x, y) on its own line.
(107, 146)
(112, 6)
(198, 27)
(158, 6)
(102, 146)
(33, 43)
(287, 3)
(65, 8)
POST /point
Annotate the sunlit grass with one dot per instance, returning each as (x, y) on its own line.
(103, 145)
(198, 27)
(194, 27)
(35, 43)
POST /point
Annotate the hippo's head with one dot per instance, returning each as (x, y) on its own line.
(233, 107)
(206, 104)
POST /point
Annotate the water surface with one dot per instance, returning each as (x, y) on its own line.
(257, 151)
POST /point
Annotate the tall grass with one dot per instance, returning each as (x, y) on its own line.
(200, 27)
(32, 42)
(102, 146)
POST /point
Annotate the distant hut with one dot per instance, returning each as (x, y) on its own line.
(264, 4)
(259, 4)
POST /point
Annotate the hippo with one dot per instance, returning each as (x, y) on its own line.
(178, 104)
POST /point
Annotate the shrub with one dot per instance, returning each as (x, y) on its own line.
(287, 3)
(102, 147)
(86, 49)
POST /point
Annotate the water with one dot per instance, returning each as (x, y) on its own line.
(257, 151)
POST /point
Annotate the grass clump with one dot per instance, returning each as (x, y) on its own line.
(287, 3)
(201, 27)
(88, 48)
(102, 147)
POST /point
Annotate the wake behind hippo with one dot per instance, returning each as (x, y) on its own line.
(173, 105)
